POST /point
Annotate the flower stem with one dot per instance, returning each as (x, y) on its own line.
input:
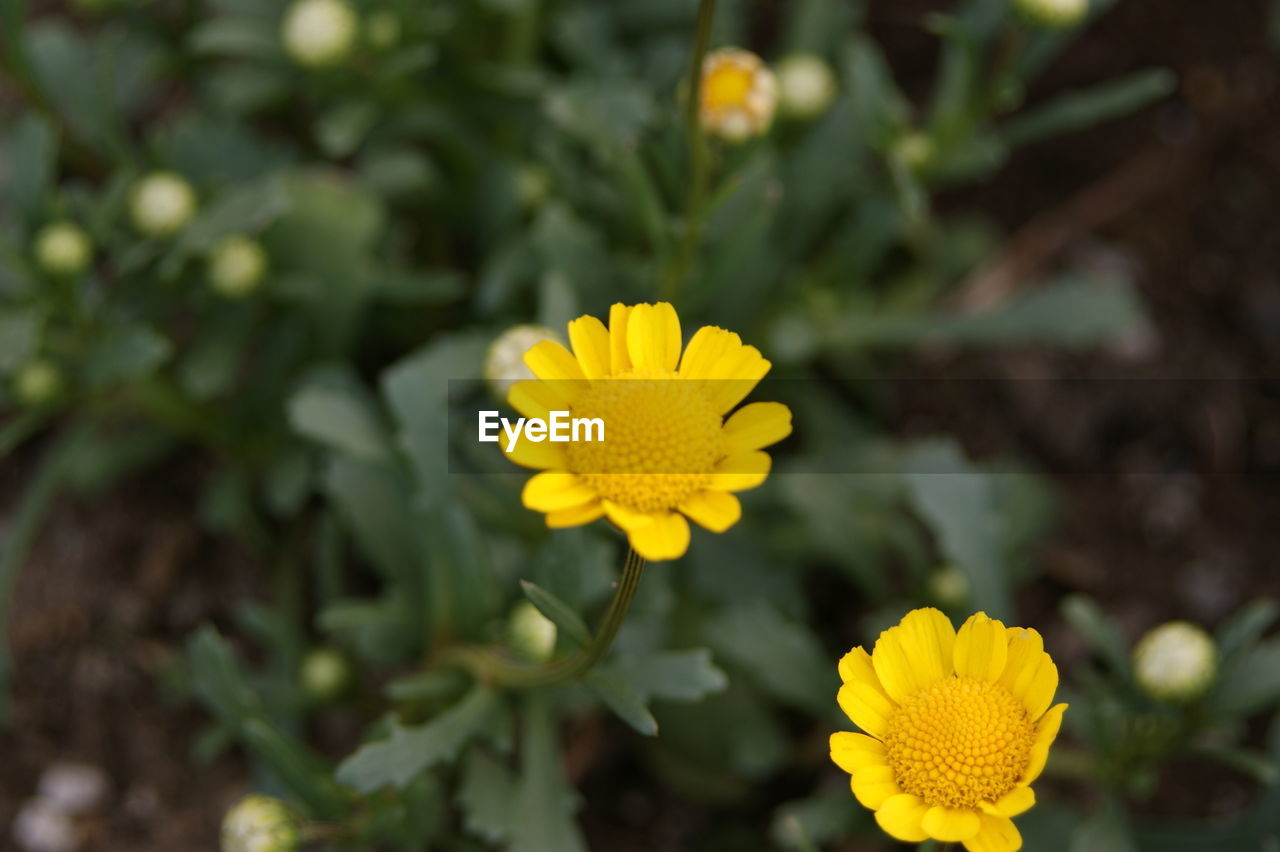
(487, 665)
(695, 207)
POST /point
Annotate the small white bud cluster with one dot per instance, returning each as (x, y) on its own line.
(504, 362)
(317, 33)
(259, 824)
(163, 204)
(1176, 661)
(237, 265)
(63, 249)
(806, 85)
(1052, 14)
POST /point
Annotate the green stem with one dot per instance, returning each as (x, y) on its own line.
(695, 208)
(490, 667)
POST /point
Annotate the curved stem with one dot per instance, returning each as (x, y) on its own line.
(695, 207)
(489, 666)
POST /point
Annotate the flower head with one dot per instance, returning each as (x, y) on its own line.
(958, 726)
(1176, 661)
(236, 266)
(1052, 14)
(63, 248)
(504, 360)
(739, 94)
(668, 452)
(163, 203)
(319, 32)
(259, 824)
(807, 85)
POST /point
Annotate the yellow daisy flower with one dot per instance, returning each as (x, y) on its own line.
(669, 453)
(958, 726)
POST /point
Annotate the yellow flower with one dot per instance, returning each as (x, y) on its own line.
(958, 726)
(739, 94)
(669, 453)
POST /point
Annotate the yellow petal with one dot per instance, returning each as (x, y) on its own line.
(1026, 649)
(626, 517)
(536, 398)
(950, 824)
(873, 785)
(653, 337)
(996, 834)
(714, 510)
(542, 455)
(901, 816)
(1018, 800)
(866, 706)
(1046, 732)
(852, 752)
(734, 376)
(575, 517)
(981, 649)
(618, 316)
(755, 426)
(1030, 675)
(708, 346)
(917, 652)
(550, 361)
(555, 491)
(742, 471)
(665, 537)
(856, 666)
(590, 341)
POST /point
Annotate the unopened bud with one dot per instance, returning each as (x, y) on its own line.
(37, 383)
(325, 674)
(949, 585)
(63, 249)
(259, 824)
(739, 94)
(531, 634)
(236, 266)
(163, 203)
(1052, 14)
(806, 85)
(319, 32)
(504, 362)
(1176, 661)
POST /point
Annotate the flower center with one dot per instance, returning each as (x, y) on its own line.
(661, 440)
(726, 86)
(958, 742)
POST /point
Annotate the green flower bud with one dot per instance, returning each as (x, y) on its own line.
(37, 383)
(531, 634)
(1176, 661)
(949, 586)
(806, 85)
(1052, 14)
(325, 674)
(382, 29)
(260, 824)
(533, 185)
(163, 203)
(504, 362)
(63, 249)
(317, 33)
(914, 150)
(236, 266)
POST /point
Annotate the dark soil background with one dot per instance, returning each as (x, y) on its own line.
(1168, 488)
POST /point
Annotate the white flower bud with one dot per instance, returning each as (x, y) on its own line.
(739, 95)
(531, 634)
(37, 382)
(163, 203)
(806, 85)
(1052, 14)
(319, 32)
(325, 673)
(236, 266)
(63, 248)
(504, 362)
(259, 824)
(1176, 661)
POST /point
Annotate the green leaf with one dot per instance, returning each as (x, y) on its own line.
(332, 408)
(242, 37)
(19, 338)
(374, 504)
(1244, 628)
(606, 114)
(31, 149)
(622, 700)
(544, 802)
(782, 656)
(217, 679)
(125, 353)
(1252, 683)
(1107, 830)
(1099, 633)
(958, 503)
(1078, 110)
(415, 749)
(570, 624)
(300, 771)
(674, 675)
(819, 819)
(247, 209)
(487, 796)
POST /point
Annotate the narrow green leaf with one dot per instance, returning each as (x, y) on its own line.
(674, 675)
(415, 749)
(487, 796)
(1251, 684)
(544, 802)
(1100, 634)
(558, 611)
(621, 699)
(1078, 110)
(1244, 628)
(330, 408)
(31, 150)
(781, 655)
(302, 772)
(1107, 830)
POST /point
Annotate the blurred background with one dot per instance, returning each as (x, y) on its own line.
(1131, 425)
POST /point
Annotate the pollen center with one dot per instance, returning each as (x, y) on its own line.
(662, 440)
(726, 86)
(958, 742)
